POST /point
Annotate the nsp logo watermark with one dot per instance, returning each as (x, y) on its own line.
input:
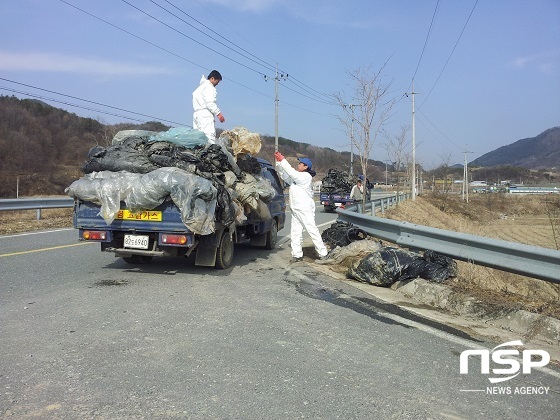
(504, 355)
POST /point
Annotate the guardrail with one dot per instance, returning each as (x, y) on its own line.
(532, 261)
(35, 203)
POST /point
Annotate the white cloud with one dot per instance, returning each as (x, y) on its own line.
(311, 11)
(545, 61)
(247, 5)
(46, 62)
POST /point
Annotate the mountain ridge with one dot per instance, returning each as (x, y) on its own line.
(539, 152)
(43, 147)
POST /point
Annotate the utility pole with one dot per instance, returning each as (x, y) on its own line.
(386, 174)
(277, 77)
(465, 178)
(413, 146)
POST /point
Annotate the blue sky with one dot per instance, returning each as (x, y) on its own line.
(487, 72)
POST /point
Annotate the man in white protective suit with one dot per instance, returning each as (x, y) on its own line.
(205, 106)
(302, 205)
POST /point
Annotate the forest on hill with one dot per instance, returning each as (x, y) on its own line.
(42, 149)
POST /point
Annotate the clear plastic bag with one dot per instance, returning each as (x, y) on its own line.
(195, 196)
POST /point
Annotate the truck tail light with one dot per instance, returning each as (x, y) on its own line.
(94, 235)
(173, 239)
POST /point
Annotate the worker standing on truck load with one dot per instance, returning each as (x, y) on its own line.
(357, 191)
(301, 204)
(205, 106)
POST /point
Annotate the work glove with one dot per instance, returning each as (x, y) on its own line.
(221, 117)
(279, 156)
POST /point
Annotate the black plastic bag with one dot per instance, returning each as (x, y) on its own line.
(342, 234)
(388, 265)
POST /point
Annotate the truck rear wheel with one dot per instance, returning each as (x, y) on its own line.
(272, 235)
(224, 253)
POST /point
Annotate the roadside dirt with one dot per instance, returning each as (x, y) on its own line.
(12, 222)
(529, 220)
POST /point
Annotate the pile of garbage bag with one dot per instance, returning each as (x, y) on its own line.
(338, 181)
(342, 234)
(341, 258)
(388, 265)
(145, 168)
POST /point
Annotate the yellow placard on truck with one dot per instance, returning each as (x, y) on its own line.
(144, 216)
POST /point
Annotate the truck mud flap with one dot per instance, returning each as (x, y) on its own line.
(207, 248)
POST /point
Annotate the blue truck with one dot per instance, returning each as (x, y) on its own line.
(137, 237)
(332, 200)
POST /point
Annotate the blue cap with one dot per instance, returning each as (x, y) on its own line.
(306, 162)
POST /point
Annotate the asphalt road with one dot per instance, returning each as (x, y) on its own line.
(84, 335)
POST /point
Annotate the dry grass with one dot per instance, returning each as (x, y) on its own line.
(524, 219)
(25, 221)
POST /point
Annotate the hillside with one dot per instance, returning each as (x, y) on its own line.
(540, 152)
(42, 149)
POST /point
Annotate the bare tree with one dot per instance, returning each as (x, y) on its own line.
(365, 111)
(444, 174)
(396, 150)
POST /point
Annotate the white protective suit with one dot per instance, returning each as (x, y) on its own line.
(357, 193)
(205, 109)
(303, 209)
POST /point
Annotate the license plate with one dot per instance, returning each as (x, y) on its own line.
(136, 241)
(338, 204)
(145, 216)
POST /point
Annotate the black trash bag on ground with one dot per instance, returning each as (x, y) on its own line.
(439, 267)
(342, 234)
(388, 265)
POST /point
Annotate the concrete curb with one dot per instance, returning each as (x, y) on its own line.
(525, 323)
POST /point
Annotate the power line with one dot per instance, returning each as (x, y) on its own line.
(309, 97)
(181, 57)
(426, 41)
(165, 49)
(228, 25)
(71, 104)
(298, 83)
(84, 100)
(452, 51)
(192, 39)
(270, 66)
(157, 46)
